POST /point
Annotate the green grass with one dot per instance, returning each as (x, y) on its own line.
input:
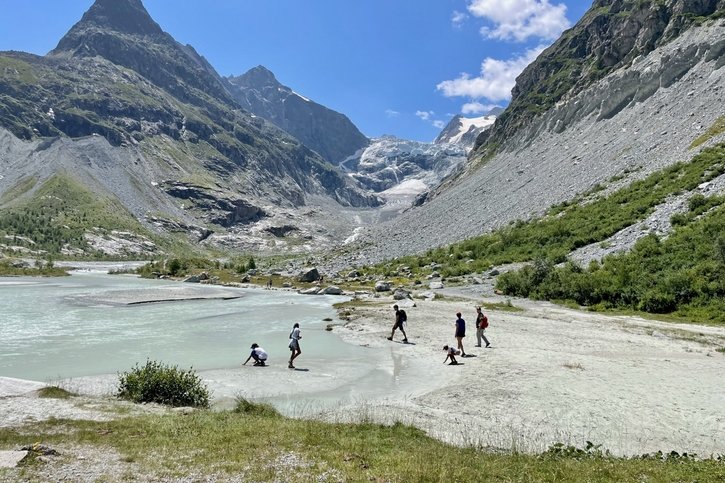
(682, 277)
(8, 270)
(249, 440)
(567, 226)
(54, 392)
(717, 128)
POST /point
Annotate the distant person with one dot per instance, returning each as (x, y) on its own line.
(451, 354)
(269, 284)
(258, 354)
(460, 333)
(481, 326)
(400, 318)
(294, 344)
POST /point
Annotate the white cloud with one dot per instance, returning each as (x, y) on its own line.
(477, 108)
(520, 20)
(497, 78)
(391, 113)
(457, 18)
(427, 116)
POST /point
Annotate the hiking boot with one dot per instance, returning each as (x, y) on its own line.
(477, 345)
(405, 341)
(454, 363)
(390, 338)
(488, 345)
(290, 366)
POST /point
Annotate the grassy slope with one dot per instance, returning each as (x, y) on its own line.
(249, 442)
(62, 210)
(573, 225)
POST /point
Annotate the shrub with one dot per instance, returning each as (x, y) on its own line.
(159, 383)
(257, 409)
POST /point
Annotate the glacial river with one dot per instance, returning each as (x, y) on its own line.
(84, 328)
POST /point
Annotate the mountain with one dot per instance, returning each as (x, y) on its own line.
(465, 130)
(634, 87)
(329, 133)
(147, 130)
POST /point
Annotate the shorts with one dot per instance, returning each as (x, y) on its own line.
(294, 345)
(460, 333)
(398, 325)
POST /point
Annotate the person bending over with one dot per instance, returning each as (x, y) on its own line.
(258, 354)
(451, 353)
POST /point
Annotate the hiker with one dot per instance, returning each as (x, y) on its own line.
(400, 318)
(460, 333)
(269, 284)
(481, 326)
(258, 354)
(451, 353)
(294, 344)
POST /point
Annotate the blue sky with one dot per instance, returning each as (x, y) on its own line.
(401, 67)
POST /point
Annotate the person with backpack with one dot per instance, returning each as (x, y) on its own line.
(481, 326)
(400, 318)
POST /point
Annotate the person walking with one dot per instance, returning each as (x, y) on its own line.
(294, 344)
(400, 318)
(451, 352)
(481, 326)
(460, 333)
(258, 354)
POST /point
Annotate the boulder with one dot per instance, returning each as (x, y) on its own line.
(354, 274)
(309, 276)
(382, 286)
(401, 294)
(333, 290)
(245, 279)
(310, 291)
(197, 278)
(10, 459)
(494, 272)
(477, 281)
(436, 285)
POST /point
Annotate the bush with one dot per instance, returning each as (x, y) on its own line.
(159, 383)
(257, 409)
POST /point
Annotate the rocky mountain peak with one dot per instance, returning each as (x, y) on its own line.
(256, 77)
(122, 16)
(329, 133)
(123, 32)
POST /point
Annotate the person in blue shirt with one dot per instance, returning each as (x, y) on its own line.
(460, 333)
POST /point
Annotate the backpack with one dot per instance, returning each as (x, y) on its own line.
(403, 316)
(484, 321)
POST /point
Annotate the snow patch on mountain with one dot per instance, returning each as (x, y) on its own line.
(464, 130)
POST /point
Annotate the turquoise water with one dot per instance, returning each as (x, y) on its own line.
(55, 328)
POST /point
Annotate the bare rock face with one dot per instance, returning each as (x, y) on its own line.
(610, 35)
(309, 276)
(329, 133)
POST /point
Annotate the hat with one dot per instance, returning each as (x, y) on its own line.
(254, 346)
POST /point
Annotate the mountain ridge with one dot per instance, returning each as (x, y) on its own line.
(328, 132)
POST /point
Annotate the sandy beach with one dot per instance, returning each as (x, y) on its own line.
(559, 375)
(551, 375)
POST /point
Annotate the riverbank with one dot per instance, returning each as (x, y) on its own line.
(556, 375)
(551, 375)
